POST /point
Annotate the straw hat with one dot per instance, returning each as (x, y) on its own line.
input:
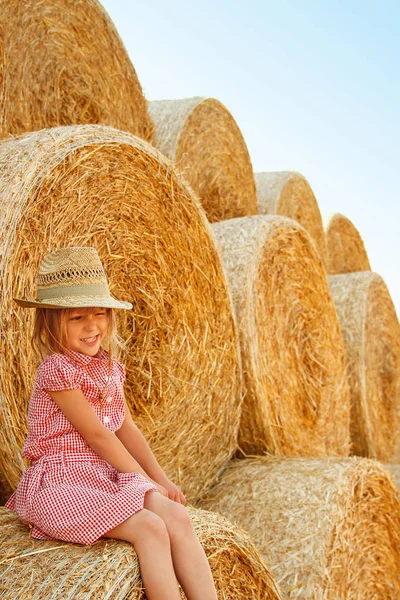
(72, 278)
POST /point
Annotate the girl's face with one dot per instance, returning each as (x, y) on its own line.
(86, 329)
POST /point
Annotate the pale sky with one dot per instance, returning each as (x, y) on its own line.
(314, 87)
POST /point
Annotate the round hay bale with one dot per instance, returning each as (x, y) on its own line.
(202, 138)
(371, 335)
(297, 399)
(31, 568)
(289, 194)
(65, 64)
(96, 186)
(329, 528)
(346, 250)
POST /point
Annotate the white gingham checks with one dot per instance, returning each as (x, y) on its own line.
(70, 493)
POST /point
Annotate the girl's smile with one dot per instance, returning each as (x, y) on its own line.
(86, 329)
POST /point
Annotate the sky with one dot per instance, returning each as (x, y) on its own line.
(313, 86)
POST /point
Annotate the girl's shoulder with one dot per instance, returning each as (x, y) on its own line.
(57, 361)
(58, 372)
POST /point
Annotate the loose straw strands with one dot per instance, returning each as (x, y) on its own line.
(204, 141)
(110, 570)
(92, 185)
(346, 250)
(328, 528)
(289, 194)
(65, 64)
(297, 398)
(371, 335)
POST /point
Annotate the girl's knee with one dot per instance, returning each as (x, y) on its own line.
(178, 519)
(153, 524)
(149, 527)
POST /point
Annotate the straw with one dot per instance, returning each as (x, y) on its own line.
(297, 399)
(109, 569)
(289, 194)
(328, 528)
(346, 250)
(371, 334)
(202, 138)
(65, 64)
(95, 186)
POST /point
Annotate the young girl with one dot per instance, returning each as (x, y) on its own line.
(92, 472)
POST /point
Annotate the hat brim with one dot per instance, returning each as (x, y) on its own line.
(76, 302)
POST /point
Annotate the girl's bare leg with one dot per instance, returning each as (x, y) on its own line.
(190, 562)
(147, 532)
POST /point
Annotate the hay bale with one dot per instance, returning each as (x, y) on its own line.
(64, 63)
(69, 571)
(202, 138)
(297, 399)
(346, 250)
(371, 335)
(289, 194)
(93, 185)
(329, 528)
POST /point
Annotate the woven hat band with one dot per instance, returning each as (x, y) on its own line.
(73, 290)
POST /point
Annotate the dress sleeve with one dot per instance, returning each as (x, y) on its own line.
(56, 374)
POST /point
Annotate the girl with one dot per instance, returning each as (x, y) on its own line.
(92, 472)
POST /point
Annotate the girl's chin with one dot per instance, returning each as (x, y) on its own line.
(90, 348)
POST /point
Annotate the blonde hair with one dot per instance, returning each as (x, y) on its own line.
(50, 332)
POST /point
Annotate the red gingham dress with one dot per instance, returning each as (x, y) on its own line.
(69, 493)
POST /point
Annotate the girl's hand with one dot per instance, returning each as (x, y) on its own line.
(160, 488)
(174, 492)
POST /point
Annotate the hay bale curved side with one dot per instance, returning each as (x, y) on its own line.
(289, 194)
(202, 138)
(371, 335)
(65, 64)
(96, 186)
(346, 250)
(328, 528)
(71, 571)
(297, 399)
(394, 470)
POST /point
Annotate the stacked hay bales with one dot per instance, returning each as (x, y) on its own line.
(297, 399)
(346, 250)
(371, 334)
(92, 185)
(289, 194)
(329, 527)
(65, 64)
(204, 141)
(56, 570)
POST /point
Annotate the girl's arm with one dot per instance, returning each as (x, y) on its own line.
(135, 443)
(103, 441)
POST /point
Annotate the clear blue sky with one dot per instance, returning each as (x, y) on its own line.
(314, 87)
